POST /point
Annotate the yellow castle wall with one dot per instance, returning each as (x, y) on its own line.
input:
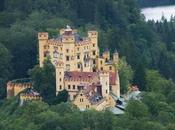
(68, 50)
(82, 102)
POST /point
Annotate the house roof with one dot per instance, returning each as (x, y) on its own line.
(30, 92)
(81, 76)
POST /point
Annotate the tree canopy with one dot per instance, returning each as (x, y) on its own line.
(148, 48)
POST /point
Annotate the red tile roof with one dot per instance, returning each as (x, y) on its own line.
(82, 76)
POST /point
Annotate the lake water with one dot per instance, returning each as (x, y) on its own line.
(156, 13)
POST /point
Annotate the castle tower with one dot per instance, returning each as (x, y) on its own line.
(115, 57)
(104, 81)
(68, 41)
(59, 77)
(93, 35)
(106, 55)
(43, 47)
(116, 89)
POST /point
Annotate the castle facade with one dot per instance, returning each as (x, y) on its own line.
(89, 77)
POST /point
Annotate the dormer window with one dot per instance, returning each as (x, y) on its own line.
(55, 54)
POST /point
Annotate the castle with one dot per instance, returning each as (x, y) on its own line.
(89, 77)
(23, 88)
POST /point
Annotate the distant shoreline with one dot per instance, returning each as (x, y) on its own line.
(156, 13)
(159, 6)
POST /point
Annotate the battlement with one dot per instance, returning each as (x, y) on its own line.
(22, 83)
(30, 97)
(92, 34)
(16, 86)
(43, 36)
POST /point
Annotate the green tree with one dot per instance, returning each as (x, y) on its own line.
(61, 97)
(44, 81)
(125, 74)
(157, 83)
(5, 69)
(136, 109)
(139, 77)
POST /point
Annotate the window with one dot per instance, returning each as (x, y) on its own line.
(67, 58)
(60, 79)
(93, 45)
(81, 94)
(74, 96)
(45, 47)
(60, 73)
(61, 56)
(78, 49)
(106, 91)
(60, 87)
(79, 65)
(55, 54)
(46, 53)
(67, 67)
(94, 53)
(67, 50)
(87, 106)
(110, 67)
(73, 86)
(101, 62)
(68, 86)
(93, 61)
(110, 88)
(101, 68)
(78, 56)
(80, 87)
(81, 99)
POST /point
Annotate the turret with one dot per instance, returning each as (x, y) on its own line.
(67, 35)
(93, 36)
(43, 47)
(59, 76)
(43, 36)
(115, 57)
(106, 55)
(67, 30)
(104, 81)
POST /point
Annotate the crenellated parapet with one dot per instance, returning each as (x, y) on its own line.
(27, 97)
(14, 87)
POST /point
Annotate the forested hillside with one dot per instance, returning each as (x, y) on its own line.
(149, 3)
(147, 51)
